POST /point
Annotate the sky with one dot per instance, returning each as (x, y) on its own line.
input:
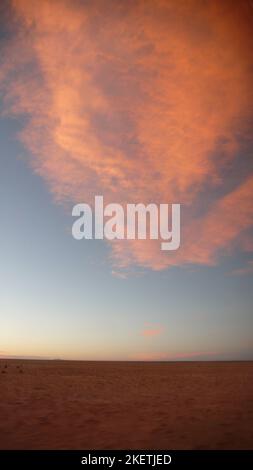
(138, 101)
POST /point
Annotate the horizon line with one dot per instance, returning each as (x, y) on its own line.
(26, 358)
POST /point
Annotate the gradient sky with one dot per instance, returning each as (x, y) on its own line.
(140, 101)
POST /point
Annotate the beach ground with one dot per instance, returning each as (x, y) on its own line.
(126, 405)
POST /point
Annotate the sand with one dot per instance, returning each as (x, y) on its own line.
(124, 405)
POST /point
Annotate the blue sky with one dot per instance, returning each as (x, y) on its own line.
(60, 299)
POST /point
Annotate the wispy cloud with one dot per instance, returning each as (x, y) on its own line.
(244, 271)
(152, 330)
(140, 101)
(119, 275)
(198, 355)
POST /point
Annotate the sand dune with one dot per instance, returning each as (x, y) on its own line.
(117, 405)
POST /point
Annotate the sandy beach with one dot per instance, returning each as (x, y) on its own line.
(120, 405)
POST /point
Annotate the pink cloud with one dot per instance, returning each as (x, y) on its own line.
(198, 355)
(160, 114)
(152, 330)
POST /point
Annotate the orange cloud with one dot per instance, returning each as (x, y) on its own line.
(205, 238)
(141, 102)
(152, 330)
